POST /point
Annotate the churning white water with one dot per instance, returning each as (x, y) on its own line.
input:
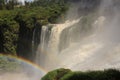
(68, 45)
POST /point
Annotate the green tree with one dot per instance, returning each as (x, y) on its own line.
(2, 3)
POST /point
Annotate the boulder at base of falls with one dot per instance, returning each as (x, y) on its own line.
(66, 74)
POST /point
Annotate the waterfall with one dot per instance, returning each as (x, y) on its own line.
(84, 43)
(35, 40)
(50, 37)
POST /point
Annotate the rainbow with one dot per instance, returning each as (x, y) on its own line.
(26, 62)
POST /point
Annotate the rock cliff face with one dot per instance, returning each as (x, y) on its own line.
(28, 39)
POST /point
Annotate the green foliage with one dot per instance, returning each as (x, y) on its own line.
(17, 25)
(48, 2)
(110, 74)
(9, 30)
(56, 74)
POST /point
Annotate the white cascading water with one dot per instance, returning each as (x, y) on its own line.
(50, 41)
(98, 50)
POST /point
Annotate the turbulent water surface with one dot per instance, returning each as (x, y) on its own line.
(68, 45)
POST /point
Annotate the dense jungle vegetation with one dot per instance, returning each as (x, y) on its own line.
(18, 21)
